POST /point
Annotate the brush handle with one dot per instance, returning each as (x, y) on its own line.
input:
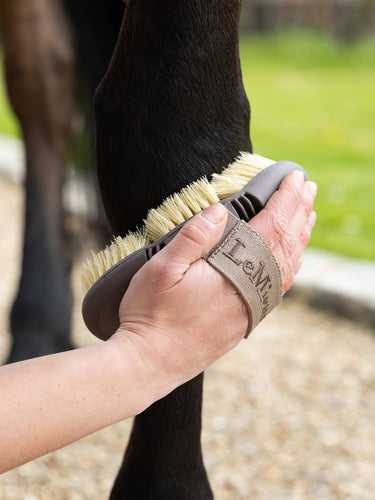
(101, 303)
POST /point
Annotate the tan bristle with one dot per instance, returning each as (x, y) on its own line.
(238, 174)
(105, 259)
(179, 207)
(157, 224)
(175, 210)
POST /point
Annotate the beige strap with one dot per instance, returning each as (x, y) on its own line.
(247, 261)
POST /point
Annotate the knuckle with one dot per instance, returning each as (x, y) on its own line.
(291, 189)
(307, 205)
(305, 237)
(287, 271)
(159, 270)
(288, 244)
(279, 223)
(193, 234)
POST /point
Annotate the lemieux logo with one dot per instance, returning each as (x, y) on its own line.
(255, 272)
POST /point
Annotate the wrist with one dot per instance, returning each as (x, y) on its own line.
(150, 370)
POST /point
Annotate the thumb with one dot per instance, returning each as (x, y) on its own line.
(195, 239)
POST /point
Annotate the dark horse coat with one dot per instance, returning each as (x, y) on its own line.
(43, 43)
(170, 109)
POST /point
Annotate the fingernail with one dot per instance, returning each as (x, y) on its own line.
(298, 175)
(214, 213)
(311, 188)
(311, 221)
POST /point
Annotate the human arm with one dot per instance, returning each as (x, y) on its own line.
(178, 316)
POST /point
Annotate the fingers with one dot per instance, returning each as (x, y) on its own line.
(194, 240)
(293, 264)
(286, 223)
(273, 220)
(288, 242)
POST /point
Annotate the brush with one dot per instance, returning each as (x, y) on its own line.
(244, 188)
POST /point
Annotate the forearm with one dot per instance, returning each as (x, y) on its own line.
(178, 316)
(49, 402)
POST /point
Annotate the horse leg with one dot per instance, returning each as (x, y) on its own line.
(170, 109)
(39, 65)
(93, 55)
(164, 456)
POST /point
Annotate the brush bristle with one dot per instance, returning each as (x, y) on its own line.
(180, 207)
(116, 251)
(175, 210)
(238, 174)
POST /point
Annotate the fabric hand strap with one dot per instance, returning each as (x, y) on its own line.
(247, 261)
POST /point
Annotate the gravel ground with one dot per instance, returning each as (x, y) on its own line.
(289, 414)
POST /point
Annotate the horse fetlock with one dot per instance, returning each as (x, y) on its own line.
(28, 344)
(39, 327)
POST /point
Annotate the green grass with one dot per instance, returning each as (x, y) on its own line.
(313, 101)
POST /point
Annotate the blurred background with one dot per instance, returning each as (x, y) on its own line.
(303, 389)
(309, 73)
(308, 68)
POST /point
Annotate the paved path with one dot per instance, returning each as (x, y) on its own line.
(345, 286)
(11, 158)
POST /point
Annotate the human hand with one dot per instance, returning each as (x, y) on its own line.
(179, 314)
(286, 223)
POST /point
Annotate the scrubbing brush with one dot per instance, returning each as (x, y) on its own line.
(243, 188)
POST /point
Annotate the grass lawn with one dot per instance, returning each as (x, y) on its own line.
(313, 101)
